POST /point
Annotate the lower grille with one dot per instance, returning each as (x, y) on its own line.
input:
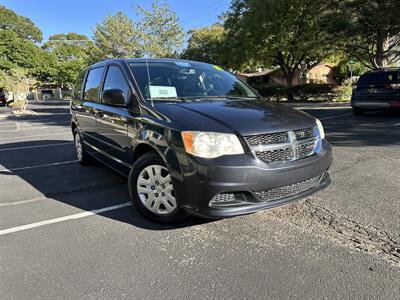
(288, 190)
(223, 197)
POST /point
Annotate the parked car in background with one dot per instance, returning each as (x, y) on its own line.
(377, 89)
(192, 138)
(3, 98)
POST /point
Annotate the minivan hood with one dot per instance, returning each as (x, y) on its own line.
(244, 116)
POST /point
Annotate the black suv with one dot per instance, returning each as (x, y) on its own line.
(192, 138)
(378, 89)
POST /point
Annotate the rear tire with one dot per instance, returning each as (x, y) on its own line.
(358, 111)
(82, 156)
(152, 192)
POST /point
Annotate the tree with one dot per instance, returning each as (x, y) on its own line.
(366, 29)
(71, 51)
(17, 81)
(18, 48)
(285, 33)
(117, 37)
(23, 27)
(162, 35)
(206, 44)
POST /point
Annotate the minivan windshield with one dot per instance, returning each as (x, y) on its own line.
(185, 81)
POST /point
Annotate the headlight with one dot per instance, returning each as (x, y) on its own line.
(211, 144)
(321, 129)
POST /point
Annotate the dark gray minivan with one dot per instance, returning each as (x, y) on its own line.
(193, 139)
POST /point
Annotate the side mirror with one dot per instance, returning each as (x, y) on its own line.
(114, 97)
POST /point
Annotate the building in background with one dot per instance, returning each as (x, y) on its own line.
(322, 73)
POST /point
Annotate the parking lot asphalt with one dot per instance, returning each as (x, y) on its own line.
(68, 231)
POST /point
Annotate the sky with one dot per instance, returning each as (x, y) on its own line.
(81, 16)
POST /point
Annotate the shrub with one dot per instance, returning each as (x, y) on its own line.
(307, 92)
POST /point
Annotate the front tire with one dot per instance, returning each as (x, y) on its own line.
(358, 111)
(151, 190)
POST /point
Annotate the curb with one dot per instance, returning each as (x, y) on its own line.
(308, 104)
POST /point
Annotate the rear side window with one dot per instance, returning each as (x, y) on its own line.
(78, 85)
(115, 80)
(379, 78)
(91, 92)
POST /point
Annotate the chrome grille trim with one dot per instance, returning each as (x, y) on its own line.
(287, 190)
(274, 147)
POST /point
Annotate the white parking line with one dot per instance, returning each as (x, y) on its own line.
(66, 218)
(40, 166)
(337, 116)
(21, 202)
(29, 136)
(37, 146)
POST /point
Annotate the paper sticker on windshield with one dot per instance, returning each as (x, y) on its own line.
(158, 91)
(218, 68)
(182, 64)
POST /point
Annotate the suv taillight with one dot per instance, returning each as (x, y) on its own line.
(395, 86)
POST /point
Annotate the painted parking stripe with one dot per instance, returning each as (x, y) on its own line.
(40, 166)
(37, 146)
(21, 202)
(39, 135)
(66, 218)
(337, 116)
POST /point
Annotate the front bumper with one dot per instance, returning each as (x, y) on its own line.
(243, 176)
(376, 102)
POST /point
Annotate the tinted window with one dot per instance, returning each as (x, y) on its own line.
(92, 84)
(78, 85)
(163, 80)
(379, 78)
(116, 80)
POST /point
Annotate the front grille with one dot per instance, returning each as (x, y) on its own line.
(275, 155)
(284, 146)
(288, 190)
(303, 134)
(269, 138)
(304, 150)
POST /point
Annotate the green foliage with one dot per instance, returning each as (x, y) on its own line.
(117, 37)
(23, 27)
(72, 54)
(206, 44)
(285, 33)
(307, 92)
(157, 33)
(368, 30)
(16, 81)
(162, 35)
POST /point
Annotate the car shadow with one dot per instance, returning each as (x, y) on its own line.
(54, 173)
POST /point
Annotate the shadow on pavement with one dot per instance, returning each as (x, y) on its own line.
(84, 187)
(372, 129)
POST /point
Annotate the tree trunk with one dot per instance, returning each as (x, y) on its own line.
(382, 44)
(289, 86)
